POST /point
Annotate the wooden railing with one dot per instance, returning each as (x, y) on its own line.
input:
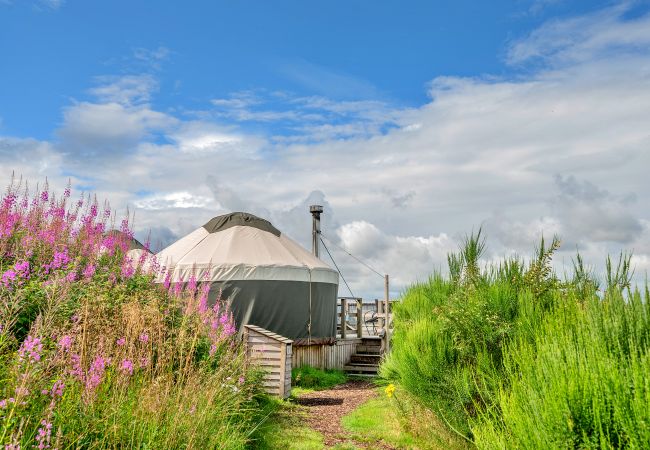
(354, 321)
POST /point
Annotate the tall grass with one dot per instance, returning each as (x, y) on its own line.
(510, 356)
(93, 354)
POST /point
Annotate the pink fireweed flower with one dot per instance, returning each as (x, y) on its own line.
(44, 196)
(126, 367)
(13, 446)
(121, 341)
(22, 269)
(144, 362)
(8, 277)
(65, 343)
(9, 201)
(89, 271)
(59, 261)
(3, 404)
(70, 277)
(178, 288)
(191, 285)
(168, 280)
(241, 380)
(127, 268)
(228, 330)
(203, 299)
(76, 370)
(57, 389)
(144, 337)
(109, 242)
(124, 228)
(31, 349)
(44, 434)
(96, 372)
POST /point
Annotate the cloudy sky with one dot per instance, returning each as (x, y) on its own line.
(413, 123)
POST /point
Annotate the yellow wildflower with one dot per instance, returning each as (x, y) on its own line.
(390, 390)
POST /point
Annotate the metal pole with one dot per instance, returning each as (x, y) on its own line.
(315, 211)
(387, 313)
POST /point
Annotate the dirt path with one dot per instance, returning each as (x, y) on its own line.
(326, 408)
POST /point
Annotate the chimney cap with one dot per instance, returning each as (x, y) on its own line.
(315, 209)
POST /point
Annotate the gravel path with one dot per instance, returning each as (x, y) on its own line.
(326, 408)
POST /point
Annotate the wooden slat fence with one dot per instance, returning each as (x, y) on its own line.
(325, 356)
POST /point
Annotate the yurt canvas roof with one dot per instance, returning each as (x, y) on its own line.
(268, 279)
(244, 247)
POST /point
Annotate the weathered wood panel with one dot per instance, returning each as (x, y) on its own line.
(272, 353)
(325, 356)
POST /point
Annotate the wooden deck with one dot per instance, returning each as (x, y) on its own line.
(359, 345)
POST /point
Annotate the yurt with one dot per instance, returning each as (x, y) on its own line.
(268, 279)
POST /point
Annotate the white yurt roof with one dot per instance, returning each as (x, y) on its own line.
(241, 246)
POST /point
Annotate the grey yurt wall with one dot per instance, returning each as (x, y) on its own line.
(268, 279)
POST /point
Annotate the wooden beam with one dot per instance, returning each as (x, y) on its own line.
(344, 317)
(359, 318)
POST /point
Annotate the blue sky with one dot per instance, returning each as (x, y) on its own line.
(412, 122)
(344, 50)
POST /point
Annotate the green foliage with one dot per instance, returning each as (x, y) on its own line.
(510, 356)
(581, 383)
(313, 378)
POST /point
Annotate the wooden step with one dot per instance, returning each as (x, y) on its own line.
(361, 368)
(363, 375)
(368, 349)
(365, 358)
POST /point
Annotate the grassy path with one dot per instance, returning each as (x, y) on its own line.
(326, 409)
(351, 416)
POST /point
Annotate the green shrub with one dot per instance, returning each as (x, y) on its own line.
(313, 378)
(582, 383)
(511, 356)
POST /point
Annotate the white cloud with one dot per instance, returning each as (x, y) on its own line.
(205, 138)
(125, 90)
(103, 130)
(597, 35)
(561, 149)
(180, 200)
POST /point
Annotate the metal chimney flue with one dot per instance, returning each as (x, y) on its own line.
(315, 211)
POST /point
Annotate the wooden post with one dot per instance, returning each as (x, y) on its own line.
(344, 315)
(359, 318)
(387, 313)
